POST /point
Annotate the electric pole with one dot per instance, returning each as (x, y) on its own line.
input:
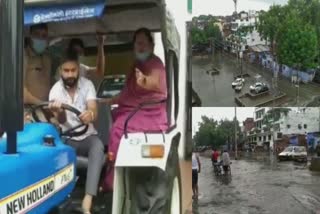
(235, 6)
(241, 58)
(235, 133)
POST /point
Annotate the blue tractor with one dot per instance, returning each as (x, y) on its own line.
(37, 170)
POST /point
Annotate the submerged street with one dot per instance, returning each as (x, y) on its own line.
(215, 89)
(103, 202)
(258, 185)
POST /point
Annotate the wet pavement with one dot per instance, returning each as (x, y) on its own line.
(258, 185)
(103, 202)
(215, 89)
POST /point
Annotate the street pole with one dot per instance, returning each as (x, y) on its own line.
(273, 130)
(241, 58)
(297, 93)
(235, 133)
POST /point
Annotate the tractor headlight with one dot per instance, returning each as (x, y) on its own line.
(152, 151)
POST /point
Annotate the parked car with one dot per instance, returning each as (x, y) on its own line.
(262, 88)
(254, 86)
(239, 87)
(237, 82)
(297, 153)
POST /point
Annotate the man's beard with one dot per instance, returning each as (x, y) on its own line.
(70, 82)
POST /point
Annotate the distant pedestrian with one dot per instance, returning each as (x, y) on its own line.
(196, 168)
(225, 161)
(215, 156)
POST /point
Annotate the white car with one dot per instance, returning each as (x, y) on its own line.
(238, 81)
(239, 87)
(298, 153)
(254, 86)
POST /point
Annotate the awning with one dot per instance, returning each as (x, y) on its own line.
(57, 11)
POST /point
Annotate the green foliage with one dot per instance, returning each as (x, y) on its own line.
(244, 30)
(295, 30)
(297, 43)
(214, 133)
(211, 30)
(270, 23)
(273, 115)
(198, 36)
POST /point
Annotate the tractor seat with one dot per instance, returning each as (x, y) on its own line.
(102, 125)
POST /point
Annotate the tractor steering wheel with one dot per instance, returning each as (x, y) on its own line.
(70, 132)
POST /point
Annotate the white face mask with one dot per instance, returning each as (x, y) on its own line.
(142, 57)
(39, 45)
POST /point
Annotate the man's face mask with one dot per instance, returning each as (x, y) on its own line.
(70, 82)
(142, 56)
(39, 45)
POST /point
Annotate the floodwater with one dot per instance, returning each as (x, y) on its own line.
(215, 89)
(258, 185)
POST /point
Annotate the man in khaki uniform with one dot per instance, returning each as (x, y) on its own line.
(37, 67)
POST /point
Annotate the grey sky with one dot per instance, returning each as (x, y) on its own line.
(226, 7)
(219, 113)
(273, 1)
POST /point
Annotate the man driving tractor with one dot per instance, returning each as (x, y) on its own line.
(80, 93)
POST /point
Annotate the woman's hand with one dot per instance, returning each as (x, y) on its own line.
(141, 78)
(100, 39)
(149, 82)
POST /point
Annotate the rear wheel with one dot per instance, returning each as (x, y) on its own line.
(218, 172)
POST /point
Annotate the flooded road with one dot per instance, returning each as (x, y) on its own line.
(258, 186)
(103, 202)
(215, 90)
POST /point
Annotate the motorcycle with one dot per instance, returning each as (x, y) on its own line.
(228, 171)
(217, 168)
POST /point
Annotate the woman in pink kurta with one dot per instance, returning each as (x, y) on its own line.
(146, 82)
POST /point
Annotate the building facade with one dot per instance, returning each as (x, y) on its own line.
(274, 127)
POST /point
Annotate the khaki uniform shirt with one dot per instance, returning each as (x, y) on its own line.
(37, 74)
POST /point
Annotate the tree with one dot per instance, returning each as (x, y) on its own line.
(213, 31)
(315, 17)
(297, 43)
(270, 23)
(198, 36)
(273, 23)
(213, 133)
(206, 132)
(308, 10)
